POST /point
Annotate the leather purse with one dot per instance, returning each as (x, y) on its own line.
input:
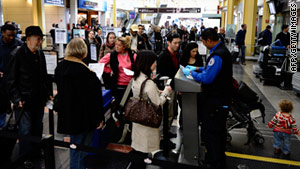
(144, 112)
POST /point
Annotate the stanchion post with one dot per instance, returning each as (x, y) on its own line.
(166, 129)
(49, 152)
(51, 116)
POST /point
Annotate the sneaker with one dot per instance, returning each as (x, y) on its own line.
(277, 151)
(244, 63)
(286, 155)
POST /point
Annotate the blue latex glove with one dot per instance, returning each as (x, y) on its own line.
(186, 71)
(193, 68)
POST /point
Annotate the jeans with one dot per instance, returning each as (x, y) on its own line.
(2, 120)
(242, 49)
(31, 124)
(280, 137)
(77, 157)
(261, 55)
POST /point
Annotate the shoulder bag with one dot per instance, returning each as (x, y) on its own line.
(139, 110)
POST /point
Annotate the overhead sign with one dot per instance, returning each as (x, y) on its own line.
(147, 10)
(54, 2)
(169, 10)
(98, 5)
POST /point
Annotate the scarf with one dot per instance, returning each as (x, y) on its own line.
(75, 59)
(110, 45)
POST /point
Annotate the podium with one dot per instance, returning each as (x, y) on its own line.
(189, 89)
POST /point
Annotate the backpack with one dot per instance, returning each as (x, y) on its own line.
(261, 38)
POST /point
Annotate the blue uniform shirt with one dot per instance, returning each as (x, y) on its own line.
(213, 68)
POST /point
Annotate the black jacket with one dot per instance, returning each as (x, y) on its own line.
(140, 43)
(146, 40)
(27, 78)
(221, 87)
(284, 38)
(79, 97)
(88, 58)
(240, 38)
(166, 66)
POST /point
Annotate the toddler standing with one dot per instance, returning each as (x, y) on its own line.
(285, 125)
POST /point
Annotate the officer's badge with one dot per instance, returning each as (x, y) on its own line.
(211, 62)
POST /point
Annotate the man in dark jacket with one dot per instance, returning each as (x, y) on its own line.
(145, 36)
(52, 33)
(215, 99)
(240, 43)
(8, 43)
(27, 87)
(168, 65)
(222, 34)
(266, 40)
(284, 37)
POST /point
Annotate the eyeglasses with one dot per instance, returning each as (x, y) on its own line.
(38, 39)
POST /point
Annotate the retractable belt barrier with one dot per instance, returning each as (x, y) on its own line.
(45, 141)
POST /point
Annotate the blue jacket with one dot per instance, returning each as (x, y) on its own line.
(268, 36)
(240, 37)
(5, 50)
(212, 69)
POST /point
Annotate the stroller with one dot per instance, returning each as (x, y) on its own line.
(243, 102)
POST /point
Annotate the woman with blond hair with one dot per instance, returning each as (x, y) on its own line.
(79, 100)
(120, 59)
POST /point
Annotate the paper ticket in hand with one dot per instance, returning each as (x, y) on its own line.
(128, 72)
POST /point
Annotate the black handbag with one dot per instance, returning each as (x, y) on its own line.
(142, 111)
(7, 144)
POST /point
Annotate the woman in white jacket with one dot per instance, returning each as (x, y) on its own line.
(146, 139)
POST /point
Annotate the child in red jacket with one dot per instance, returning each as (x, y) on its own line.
(285, 125)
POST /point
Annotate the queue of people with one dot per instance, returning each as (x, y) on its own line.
(79, 99)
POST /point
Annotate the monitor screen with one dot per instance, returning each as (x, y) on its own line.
(272, 7)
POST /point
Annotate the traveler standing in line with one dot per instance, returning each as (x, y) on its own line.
(145, 139)
(93, 48)
(215, 98)
(99, 36)
(185, 38)
(158, 40)
(191, 57)
(240, 43)
(192, 36)
(145, 36)
(107, 47)
(80, 101)
(168, 65)
(122, 57)
(137, 42)
(28, 87)
(8, 42)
